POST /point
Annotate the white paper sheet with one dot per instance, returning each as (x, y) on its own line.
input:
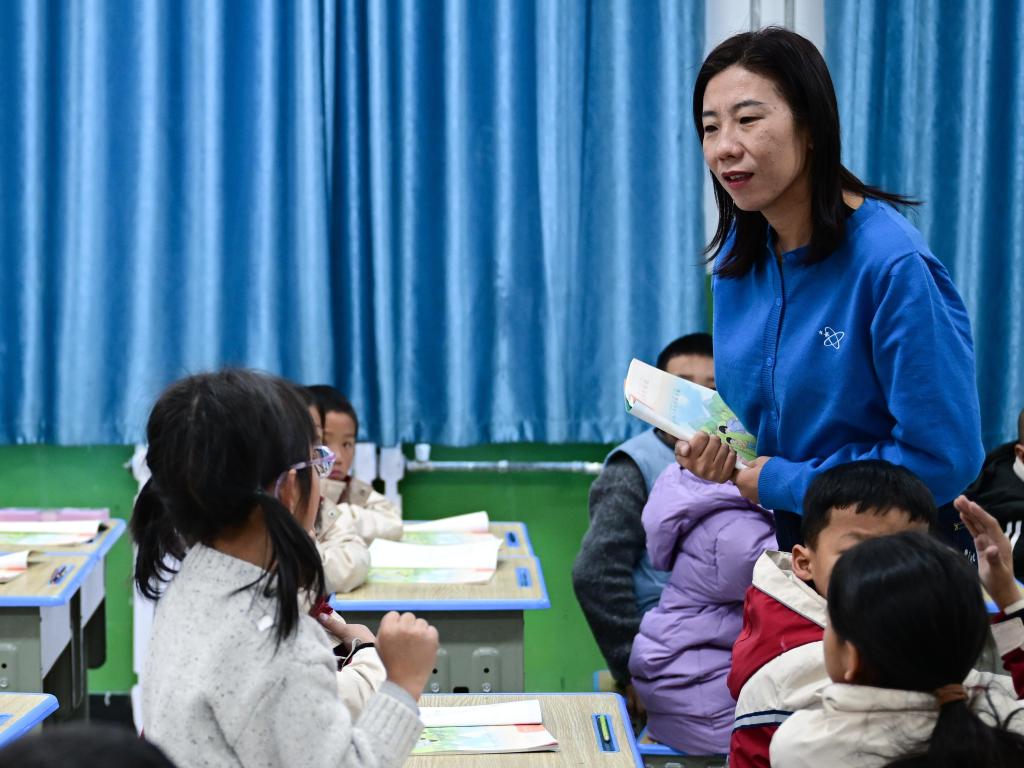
(481, 554)
(507, 713)
(478, 522)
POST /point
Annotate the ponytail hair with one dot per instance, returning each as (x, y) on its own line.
(913, 609)
(217, 441)
(156, 541)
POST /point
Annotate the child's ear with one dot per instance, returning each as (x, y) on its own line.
(802, 563)
(850, 661)
(288, 491)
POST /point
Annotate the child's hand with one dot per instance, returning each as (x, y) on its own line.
(707, 457)
(408, 648)
(346, 633)
(995, 555)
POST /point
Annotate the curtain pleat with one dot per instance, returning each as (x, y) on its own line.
(931, 96)
(468, 216)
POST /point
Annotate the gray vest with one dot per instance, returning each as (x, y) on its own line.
(651, 455)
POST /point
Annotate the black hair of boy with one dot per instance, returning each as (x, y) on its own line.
(913, 609)
(83, 745)
(330, 400)
(216, 442)
(872, 485)
(692, 344)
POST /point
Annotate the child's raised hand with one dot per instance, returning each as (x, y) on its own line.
(408, 647)
(995, 555)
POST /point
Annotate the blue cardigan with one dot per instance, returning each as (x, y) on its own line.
(866, 355)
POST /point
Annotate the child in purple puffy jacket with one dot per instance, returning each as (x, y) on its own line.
(708, 536)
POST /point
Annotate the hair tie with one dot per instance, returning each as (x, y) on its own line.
(948, 694)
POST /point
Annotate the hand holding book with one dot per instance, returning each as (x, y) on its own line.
(682, 408)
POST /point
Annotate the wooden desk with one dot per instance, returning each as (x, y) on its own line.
(88, 614)
(21, 712)
(38, 626)
(569, 717)
(481, 625)
(516, 541)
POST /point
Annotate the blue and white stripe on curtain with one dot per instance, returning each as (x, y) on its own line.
(467, 215)
(931, 95)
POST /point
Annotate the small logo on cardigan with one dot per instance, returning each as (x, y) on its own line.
(832, 338)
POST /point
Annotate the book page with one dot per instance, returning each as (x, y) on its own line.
(473, 522)
(681, 408)
(397, 554)
(483, 740)
(13, 565)
(507, 713)
(36, 535)
(430, 575)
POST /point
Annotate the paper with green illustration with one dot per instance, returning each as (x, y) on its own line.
(682, 408)
(514, 726)
(33, 534)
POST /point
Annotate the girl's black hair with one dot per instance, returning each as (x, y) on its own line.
(799, 72)
(217, 441)
(915, 613)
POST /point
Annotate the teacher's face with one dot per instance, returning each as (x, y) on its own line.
(752, 143)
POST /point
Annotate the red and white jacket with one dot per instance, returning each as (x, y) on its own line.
(778, 662)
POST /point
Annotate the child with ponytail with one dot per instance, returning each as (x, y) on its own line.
(238, 674)
(906, 623)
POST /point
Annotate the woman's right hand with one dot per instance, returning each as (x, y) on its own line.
(707, 457)
(408, 647)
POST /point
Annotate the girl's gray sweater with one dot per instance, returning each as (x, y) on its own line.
(218, 693)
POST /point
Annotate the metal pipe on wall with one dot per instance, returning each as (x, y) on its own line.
(572, 467)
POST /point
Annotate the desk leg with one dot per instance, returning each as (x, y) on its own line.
(481, 651)
(79, 704)
(96, 638)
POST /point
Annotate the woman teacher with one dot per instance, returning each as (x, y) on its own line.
(838, 334)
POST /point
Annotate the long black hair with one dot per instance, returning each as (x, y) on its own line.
(914, 611)
(798, 70)
(216, 442)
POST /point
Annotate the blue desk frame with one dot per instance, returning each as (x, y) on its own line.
(26, 722)
(82, 598)
(481, 639)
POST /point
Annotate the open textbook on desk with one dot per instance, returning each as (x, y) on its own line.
(514, 726)
(682, 408)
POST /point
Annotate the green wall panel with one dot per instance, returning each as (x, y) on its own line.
(560, 652)
(90, 476)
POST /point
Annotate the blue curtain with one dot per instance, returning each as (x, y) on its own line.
(931, 96)
(467, 215)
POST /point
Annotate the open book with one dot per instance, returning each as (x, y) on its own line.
(38, 534)
(514, 726)
(469, 562)
(682, 408)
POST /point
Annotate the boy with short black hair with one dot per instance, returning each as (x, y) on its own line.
(778, 663)
(372, 514)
